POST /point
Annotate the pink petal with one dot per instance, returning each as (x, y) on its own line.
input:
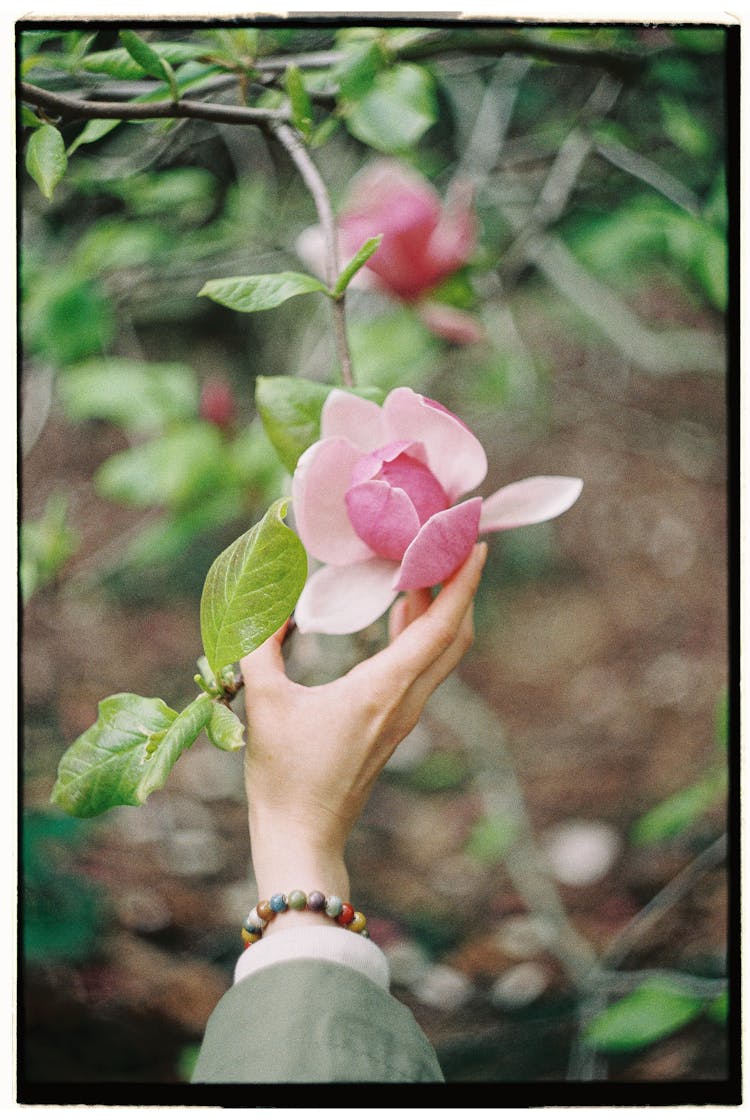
(320, 482)
(351, 417)
(378, 187)
(529, 501)
(342, 600)
(454, 238)
(383, 516)
(371, 464)
(440, 547)
(452, 324)
(454, 454)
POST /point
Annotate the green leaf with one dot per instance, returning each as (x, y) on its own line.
(251, 589)
(182, 734)
(91, 132)
(106, 764)
(29, 119)
(674, 815)
(358, 260)
(173, 470)
(148, 59)
(396, 112)
(225, 729)
(141, 397)
(46, 160)
(260, 293)
(290, 409)
(357, 73)
(718, 1009)
(653, 1011)
(45, 545)
(119, 63)
(492, 837)
(301, 105)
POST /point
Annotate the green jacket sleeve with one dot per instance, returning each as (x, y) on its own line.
(313, 1021)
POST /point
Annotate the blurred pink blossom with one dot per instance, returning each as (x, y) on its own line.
(374, 501)
(425, 240)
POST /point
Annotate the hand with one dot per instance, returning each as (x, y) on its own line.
(313, 754)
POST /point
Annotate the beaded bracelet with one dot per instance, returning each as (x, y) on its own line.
(264, 912)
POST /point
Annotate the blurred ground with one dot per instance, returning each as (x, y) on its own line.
(601, 650)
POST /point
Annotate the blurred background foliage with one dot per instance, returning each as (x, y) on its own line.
(597, 158)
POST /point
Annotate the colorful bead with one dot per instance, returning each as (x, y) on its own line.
(358, 922)
(264, 911)
(267, 909)
(254, 919)
(346, 915)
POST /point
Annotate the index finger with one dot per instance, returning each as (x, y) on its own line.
(427, 638)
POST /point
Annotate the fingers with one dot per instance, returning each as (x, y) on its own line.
(406, 610)
(444, 624)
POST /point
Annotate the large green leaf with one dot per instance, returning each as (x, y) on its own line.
(46, 160)
(251, 589)
(396, 111)
(260, 293)
(126, 754)
(139, 396)
(653, 1011)
(290, 409)
(150, 60)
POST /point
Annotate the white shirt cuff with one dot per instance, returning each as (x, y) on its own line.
(316, 943)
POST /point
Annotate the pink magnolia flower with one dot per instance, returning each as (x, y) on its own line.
(375, 501)
(424, 241)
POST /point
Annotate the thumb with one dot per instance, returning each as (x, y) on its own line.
(266, 663)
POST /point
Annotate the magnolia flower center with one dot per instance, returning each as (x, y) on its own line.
(392, 494)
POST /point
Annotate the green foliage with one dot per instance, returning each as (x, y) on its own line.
(676, 814)
(46, 160)
(176, 469)
(652, 1011)
(45, 546)
(105, 765)
(251, 589)
(260, 293)
(358, 261)
(302, 109)
(392, 349)
(440, 770)
(120, 64)
(225, 730)
(492, 837)
(396, 110)
(141, 397)
(64, 913)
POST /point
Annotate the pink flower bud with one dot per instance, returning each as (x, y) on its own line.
(424, 239)
(217, 402)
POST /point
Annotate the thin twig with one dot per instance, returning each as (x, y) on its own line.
(669, 896)
(313, 181)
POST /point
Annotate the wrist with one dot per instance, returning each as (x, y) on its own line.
(286, 859)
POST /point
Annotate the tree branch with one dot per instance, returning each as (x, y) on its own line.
(72, 108)
(312, 179)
